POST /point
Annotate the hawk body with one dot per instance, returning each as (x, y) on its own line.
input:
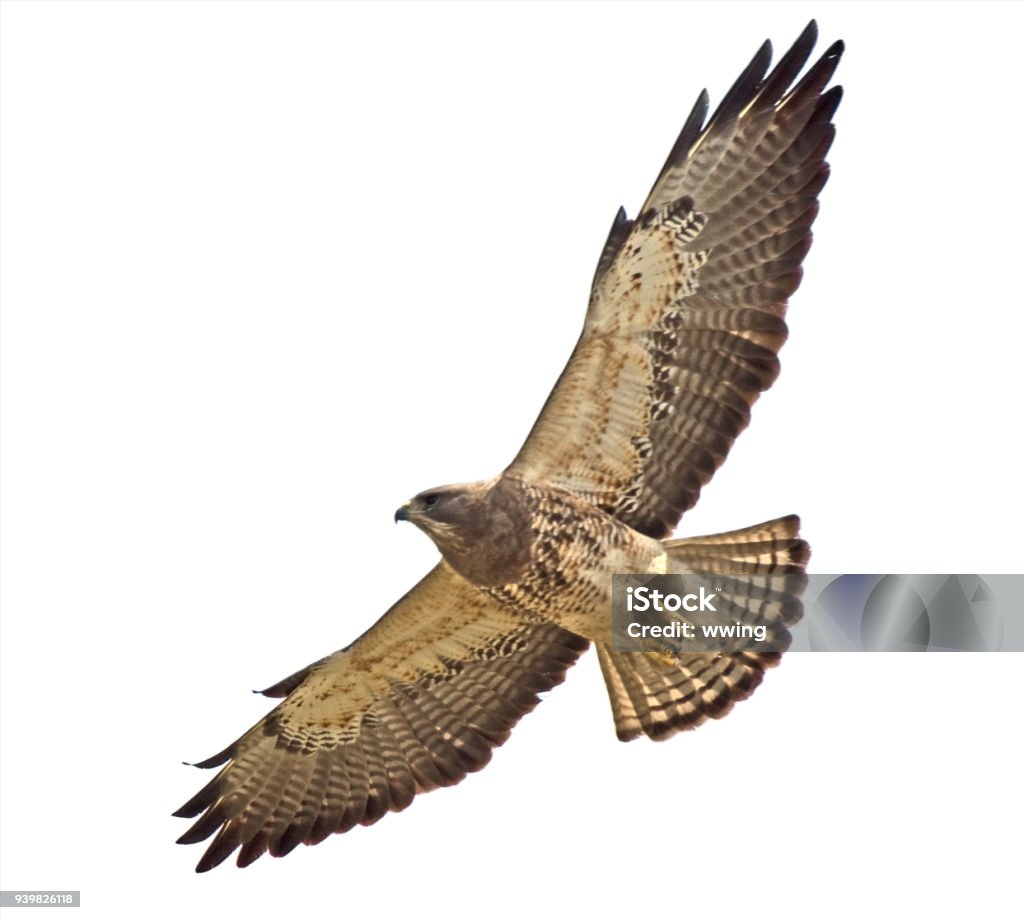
(574, 551)
(682, 332)
(550, 555)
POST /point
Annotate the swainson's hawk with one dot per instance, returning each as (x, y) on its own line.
(681, 336)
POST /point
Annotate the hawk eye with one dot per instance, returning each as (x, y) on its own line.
(430, 500)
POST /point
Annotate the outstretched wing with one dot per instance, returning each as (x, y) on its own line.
(417, 702)
(686, 310)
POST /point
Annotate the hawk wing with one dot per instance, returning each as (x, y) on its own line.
(417, 702)
(686, 310)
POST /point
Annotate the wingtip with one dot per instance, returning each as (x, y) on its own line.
(205, 865)
(215, 761)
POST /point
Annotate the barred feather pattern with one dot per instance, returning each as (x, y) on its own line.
(660, 694)
(687, 307)
(418, 702)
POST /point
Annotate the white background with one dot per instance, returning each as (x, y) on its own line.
(268, 270)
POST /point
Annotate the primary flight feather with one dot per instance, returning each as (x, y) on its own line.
(681, 336)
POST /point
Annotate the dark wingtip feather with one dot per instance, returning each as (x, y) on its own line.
(202, 829)
(815, 80)
(249, 853)
(199, 801)
(746, 85)
(293, 835)
(688, 136)
(809, 36)
(283, 687)
(223, 845)
(616, 237)
(691, 130)
(212, 858)
(217, 759)
(789, 65)
(828, 103)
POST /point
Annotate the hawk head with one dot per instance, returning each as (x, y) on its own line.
(444, 508)
(477, 528)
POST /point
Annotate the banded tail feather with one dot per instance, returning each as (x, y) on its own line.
(659, 694)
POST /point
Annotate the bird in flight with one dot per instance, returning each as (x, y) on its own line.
(685, 320)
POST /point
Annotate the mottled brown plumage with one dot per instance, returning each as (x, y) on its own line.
(681, 336)
(686, 311)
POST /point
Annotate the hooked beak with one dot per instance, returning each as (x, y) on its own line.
(402, 514)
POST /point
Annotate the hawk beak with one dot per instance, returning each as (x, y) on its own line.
(402, 514)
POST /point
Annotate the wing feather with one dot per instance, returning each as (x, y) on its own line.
(686, 312)
(417, 702)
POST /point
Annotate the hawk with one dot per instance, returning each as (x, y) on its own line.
(681, 335)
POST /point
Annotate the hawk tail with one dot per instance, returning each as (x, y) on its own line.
(659, 694)
(771, 548)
